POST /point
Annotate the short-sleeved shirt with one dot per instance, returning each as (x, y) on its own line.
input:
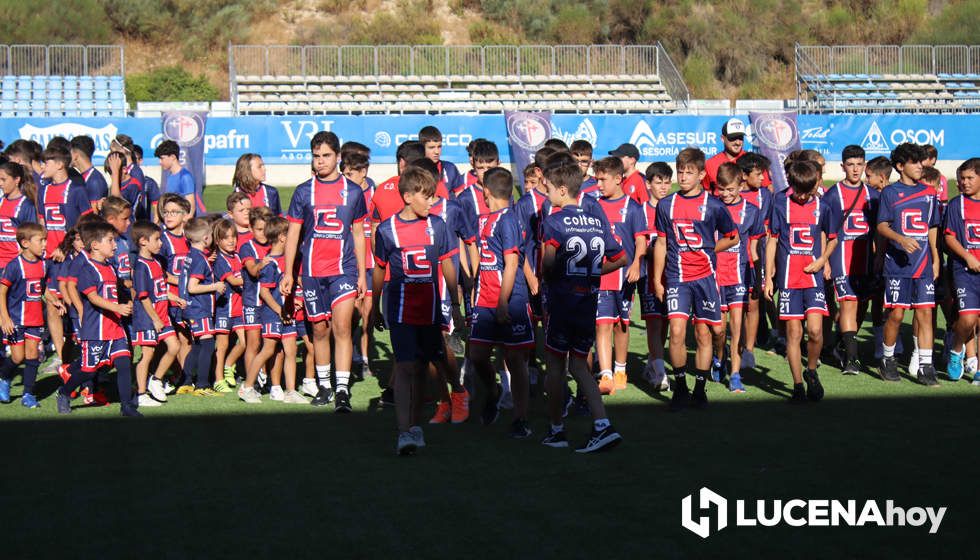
(123, 259)
(853, 255)
(226, 266)
(910, 210)
(581, 241)
(762, 199)
(500, 235)
(197, 266)
(963, 223)
(182, 183)
(474, 205)
(149, 283)
(449, 177)
(264, 196)
(173, 251)
(528, 210)
(590, 186)
(251, 251)
(469, 178)
(714, 162)
(98, 278)
(625, 215)
(733, 264)
(386, 201)
(690, 226)
(635, 187)
(132, 190)
(412, 250)
(13, 212)
(61, 204)
(327, 211)
(96, 186)
(798, 228)
(269, 278)
(452, 214)
(25, 279)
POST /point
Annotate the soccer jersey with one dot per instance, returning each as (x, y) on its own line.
(690, 225)
(368, 228)
(714, 162)
(762, 199)
(13, 212)
(853, 254)
(449, 178)
(590, 186)
(386, 200)
(98, 278)
(243, 238)
(24, 279)
(123, 258)
(500, 235)
(635, 187)
(149, 283)
(733, 263)
(459, 229)
(910, 210)
(264, 196)
(182, 183)
(412, 251)
(474, 205)
(61, 204)
(470, 178)
(327, 211)
(132, 191)
(96, 186)
(798, 228)
(582, 240)
(625, 215)
(251, 251)
(173, 251)
(963, 223)
(226, 266)
(197, 266)
(152, 191)
(269, 278)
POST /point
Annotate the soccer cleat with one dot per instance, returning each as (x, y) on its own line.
(222, 386)
(490, 412)
(130, 411)
(185, 390)
(309, 387)
(601, 440)
(914, 363)
(927, 376)
(250, 396)
(716, 370)
(416, 432)
(555, 439)
(388, 397)
(460, 406)
(681, 397)
(699, 398)
(99, 398)
(519, 429)
(29, 401)
(814, 390)
(276, 393)
(799, 394)
(324, 396)
(735, 383)
(63, 373)
(155, 386)
(406, 444)
(954, 366)
(63, 403)
(443, 413)
(4, 391)
(619, 380)
(606, 385)
(52, 366)
(748, 359)
(146, 400)
(230, 375)
(976, 379)
(206, 392)
(889, 369)
(853, 367)
(294, 397)
(341, 403)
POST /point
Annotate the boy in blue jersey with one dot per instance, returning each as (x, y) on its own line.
(962, 231)
(577, 249)
(151, 188)
(96, 187)
(908, 219)
(180, 181)
(198, 286)
(755, 172)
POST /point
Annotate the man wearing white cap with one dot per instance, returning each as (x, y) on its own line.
(733, 137)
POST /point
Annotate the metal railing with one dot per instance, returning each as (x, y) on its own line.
(61, 60)
(891, 59)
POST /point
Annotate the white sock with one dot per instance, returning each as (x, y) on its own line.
(323, 375)
(605, 373)
(915, 343)
(925, 357)
(601, 424)
(889, 351)
(343, 379)
(619, 366)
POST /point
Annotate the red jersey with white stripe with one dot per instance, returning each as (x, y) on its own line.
(174, 252)
(963, 222)
(635, 187)
(733, 264)
(368, 227)
(98, 323)
(798, 228)
(13, 212)
(24, 279)
(690, 225)
(500, 235)
(468, 180)
(61, 204)
(328, 210)
(264, 196)
(853, 254)
(626, 217)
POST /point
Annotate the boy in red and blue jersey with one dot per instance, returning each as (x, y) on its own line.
(126, 180)
(416, 250)
(22, 291)
(228, 306)
(615, 301)
(253, 255)
(652, 310)
(96, 187)
(755, 170)
(103, 338)
(329, 211)
(501, 310)
(634, 182)
(577, 249)
(448, 177)
(60, 201)
(908, 219)
(174, 211)
(735, 272)
(199, 287)
(802, 241)
(471, 199)
(962, 232)
(688, 224)
(581, 150)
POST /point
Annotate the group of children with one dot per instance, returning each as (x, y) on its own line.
(100, 267)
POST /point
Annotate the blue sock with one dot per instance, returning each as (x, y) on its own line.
(190, 363)
(30, 375)
(205, 353)
(124, 380)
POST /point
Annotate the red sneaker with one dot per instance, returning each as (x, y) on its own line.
(100, 398)
(63, 373)
(443, 414)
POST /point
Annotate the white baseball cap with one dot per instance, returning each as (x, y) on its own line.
(733, 129)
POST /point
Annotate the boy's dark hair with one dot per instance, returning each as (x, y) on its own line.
(752, 161)
(354, 161)
(27, 230)
(138, 151)
(196, 229)
(276, 227)
(529, 169)
(144, 229)
(907, 153)
(879, 166)
(690, 156)
(581, 148)
(802, 176)
(410, 151)
(89, 219)
(429, 134)
(970, 164)
(167, 148)
(350, 147)
(67, 244)
(414, 179)
(562, 171)
(260, 214)
(57, 154)
(611, 165)
(173, 198)
(84, 144)
(486, 151)
(25, 150)
(931, 176)
(428, 165)
(234, 198)
(499, 182)
(556, 144)
(58, 143)
(541, 156)
(659, 170)
(113, 206)
(852, 152)
(728, 173)
(473, 142)
(95, 232)
(328, 138)
(931, 151)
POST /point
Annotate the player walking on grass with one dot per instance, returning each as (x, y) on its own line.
(962, 231)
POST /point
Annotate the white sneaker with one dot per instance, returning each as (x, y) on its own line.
(970, 368)
(309, 387)
(913, 362)
(276, 394)
(748, 359)
(293, 397)
(169, 388)
(157, 390)
(146, 400)
(406, 444)
(416, 432)
(263, 378)
(251, 396)
(53, 365)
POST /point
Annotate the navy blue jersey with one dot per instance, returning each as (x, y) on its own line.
(199, 306)
(96, 186)
(98, 278)
(150, 283)
(24, 279)
(61, 204)
(269, 278)
(690, 225)
(251, 251)
(733, 264)
(910, 210)
(798, 229)
(963, 223)
(581, 241)
(500, 235)
(625, 215)
(327, 211)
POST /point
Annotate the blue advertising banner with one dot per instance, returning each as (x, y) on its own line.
(187, 129)
(776, 135)
(526, 134)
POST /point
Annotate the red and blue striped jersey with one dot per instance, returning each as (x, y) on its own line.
(963, 223)
(625, 215)
(149, 283)
(500, 235)
(132, 191)
(474, 205)
(733, 264)
(98, 278)
(243, 238)
(469, 179)
(173, 251)
(368, 227)
(762, 199)
(910, 210)
(853, 255)
(264, 196)
(798, 228)
(197, 266)
(269, 278)
(96, 186)
(123, 259)
(252, 251)
(327, 211)
(635, 187)
(60, 205)
(13, 212)
(690, 225)
(452, 214)
(581, 241)
(25, 279)
(528, 211)
(590, 186)
(449, 178)
(228, 304)
(412, 252)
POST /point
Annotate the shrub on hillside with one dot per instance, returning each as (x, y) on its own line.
(170, 83)
(47, 22)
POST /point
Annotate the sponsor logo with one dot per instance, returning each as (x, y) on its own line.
(585, 131)
(382, 139)
(775, 130)
(186, 129)
(816, 134)
(448, 139)
(874, 140)
(346, 287)
(708, 305)
(669, 143)
(528, 130)
(102, 136)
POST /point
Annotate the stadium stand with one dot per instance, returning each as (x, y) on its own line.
(62, 81)
(272, 79)
(888, 79)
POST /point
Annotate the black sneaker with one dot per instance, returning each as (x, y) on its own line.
(341, 403)
(324, 396)
(927, 376)
(555, 439)
(814, 390)
(388, 397)
(799, 394)
(490, 412)
(64, 403)
(699, 398)
(600, 440)
(130, 411)
(680, 398)
(853, 367)
(889, 369)
(519, 429)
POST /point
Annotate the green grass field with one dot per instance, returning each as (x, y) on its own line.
(215, 478)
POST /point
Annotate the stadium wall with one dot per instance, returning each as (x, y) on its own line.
(283, 141)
